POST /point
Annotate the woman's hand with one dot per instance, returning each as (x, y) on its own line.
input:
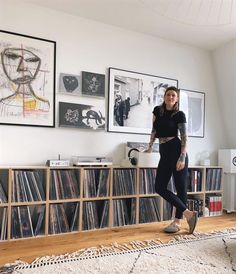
(180, 165)
(148, 150)
(181, 162)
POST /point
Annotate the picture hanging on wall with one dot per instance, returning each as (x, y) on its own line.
(81, 116)
(193, 105)
(69, 84)
(27, 73)
(132, 97)
(93, 84)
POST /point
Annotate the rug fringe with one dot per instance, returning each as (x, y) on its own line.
(114, 248)
(200, 235)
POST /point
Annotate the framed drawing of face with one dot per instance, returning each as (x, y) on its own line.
(27, 73)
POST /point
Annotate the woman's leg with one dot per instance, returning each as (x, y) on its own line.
(170, 152)
(180, 180)
(163, 176)
(164, 172)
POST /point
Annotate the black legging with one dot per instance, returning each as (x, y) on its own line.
(170, 152)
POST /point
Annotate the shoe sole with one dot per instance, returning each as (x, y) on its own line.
(171, 230)
(191, 230)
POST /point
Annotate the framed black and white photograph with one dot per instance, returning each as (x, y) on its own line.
(81, 116)
(193, 104)
(27, 73)
(132, 97)
(93, 84)
(69, 84)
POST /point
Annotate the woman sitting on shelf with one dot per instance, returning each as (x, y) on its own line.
(167, 121)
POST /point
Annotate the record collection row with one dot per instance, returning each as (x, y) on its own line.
(65, 184)
(42, 216)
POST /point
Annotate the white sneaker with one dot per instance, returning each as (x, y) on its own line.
(172, 228)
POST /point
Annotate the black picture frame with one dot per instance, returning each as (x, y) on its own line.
(27, 73)
(93, 84)
(138, 93)
(192, 103)
(70, 84)
(81, 116)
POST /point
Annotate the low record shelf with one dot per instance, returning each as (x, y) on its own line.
(41, 201)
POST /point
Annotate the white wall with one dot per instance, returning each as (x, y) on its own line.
(91, 46)
(225, 70)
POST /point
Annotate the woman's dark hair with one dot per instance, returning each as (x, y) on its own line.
(176, 105)
(172, 88)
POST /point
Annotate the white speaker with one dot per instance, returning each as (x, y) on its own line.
(227, 159)
(143, 159)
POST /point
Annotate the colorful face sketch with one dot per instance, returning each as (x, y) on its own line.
(21, 66)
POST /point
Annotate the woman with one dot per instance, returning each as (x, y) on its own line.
(167, 121)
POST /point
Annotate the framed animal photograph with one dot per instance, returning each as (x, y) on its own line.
(81, 116)
(69, 84)
(193, 104)
(131, 99)
(93, 84)
(27, 73)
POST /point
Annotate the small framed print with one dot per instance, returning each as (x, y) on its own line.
(93, 84)
(81, 116)
(69, 84)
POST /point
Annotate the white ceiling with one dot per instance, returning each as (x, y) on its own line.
(203, 23)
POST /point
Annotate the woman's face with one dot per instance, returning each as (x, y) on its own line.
(170, 98)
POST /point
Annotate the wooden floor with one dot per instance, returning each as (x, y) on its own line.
(28, 250)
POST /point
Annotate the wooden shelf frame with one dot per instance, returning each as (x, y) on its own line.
(7, 175)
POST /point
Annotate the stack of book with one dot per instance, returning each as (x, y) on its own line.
(195, 204)
(214, 204)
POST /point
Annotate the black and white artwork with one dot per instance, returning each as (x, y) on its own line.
(193, 105)
(93, 84)
(69, 83)
(81, 116)
(132, 97)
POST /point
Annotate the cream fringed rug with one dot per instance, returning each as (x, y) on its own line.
(199, 253)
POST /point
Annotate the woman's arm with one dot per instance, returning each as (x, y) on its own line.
(183, 137)
(153, 135)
